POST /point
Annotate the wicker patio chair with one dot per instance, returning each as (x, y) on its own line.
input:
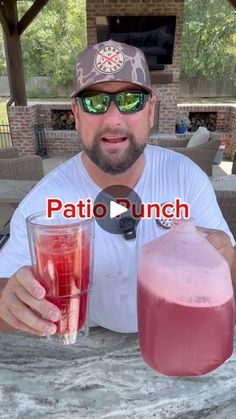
(9, 152)
(227, 204)
(15, 167)
(15, 170)
(203, 155)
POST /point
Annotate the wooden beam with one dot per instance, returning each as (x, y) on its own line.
(15, 70)
(30, 15)
(14, 56)
(4, 21)
(233, 3)
(12, 31)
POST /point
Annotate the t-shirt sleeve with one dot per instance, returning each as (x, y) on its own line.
(204, 206)
(15, 253)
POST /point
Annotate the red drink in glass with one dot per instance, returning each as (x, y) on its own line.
(64, 270)
(61, 255)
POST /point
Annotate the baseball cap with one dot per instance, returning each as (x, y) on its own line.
(111, 61)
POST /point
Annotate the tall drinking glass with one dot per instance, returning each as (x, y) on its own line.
(61, 252)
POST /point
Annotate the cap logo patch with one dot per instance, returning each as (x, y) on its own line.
(109, 59)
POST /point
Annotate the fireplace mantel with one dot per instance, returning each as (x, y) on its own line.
(161, 77)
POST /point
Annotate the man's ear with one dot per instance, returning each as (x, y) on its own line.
(75, 110)
(152, 107)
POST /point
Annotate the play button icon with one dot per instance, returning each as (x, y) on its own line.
(117, 210)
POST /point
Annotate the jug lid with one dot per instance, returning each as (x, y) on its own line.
(183, 225)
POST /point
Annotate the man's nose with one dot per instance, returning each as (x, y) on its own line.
(113, 115)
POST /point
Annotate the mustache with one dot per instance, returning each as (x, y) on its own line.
(121, 132)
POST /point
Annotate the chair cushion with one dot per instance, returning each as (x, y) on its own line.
(3, 239)
(199, 137)
(13, 191)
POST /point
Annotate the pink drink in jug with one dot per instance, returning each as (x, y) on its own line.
(185, 303)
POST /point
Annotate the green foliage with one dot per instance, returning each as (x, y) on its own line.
(53, 40)
(40, 94)
(3, 64)
(208, 39)
(183, 121)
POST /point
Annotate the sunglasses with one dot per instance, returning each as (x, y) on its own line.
(127, 101)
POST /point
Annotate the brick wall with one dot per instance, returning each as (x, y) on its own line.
(232, 129)
(59, 142)
(22, 120)
(62, 143)
(167, 93)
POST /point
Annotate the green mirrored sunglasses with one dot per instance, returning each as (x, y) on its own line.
(127, 101)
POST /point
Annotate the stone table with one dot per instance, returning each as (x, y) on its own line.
(104, 378)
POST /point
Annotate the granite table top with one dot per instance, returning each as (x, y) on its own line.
(105, 377)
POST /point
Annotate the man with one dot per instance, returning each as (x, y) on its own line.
(114, 112)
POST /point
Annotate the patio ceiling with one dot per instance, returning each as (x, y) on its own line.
(233, 2)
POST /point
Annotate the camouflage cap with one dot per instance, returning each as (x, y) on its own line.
(111, 61)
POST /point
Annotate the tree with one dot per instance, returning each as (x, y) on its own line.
(208, 39)
(52, 42)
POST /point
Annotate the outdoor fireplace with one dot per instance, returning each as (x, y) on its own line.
(62, 139)
(203, 119)
(156, 28)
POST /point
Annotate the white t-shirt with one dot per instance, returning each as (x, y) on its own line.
(166, 175)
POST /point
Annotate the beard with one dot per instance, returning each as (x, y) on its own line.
(115, 162)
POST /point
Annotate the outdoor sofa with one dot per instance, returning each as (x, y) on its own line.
(203, 155)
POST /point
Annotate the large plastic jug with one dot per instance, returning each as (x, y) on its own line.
(185, 303)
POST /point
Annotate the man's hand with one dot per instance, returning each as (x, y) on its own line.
(221, 241)
(23, 306)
